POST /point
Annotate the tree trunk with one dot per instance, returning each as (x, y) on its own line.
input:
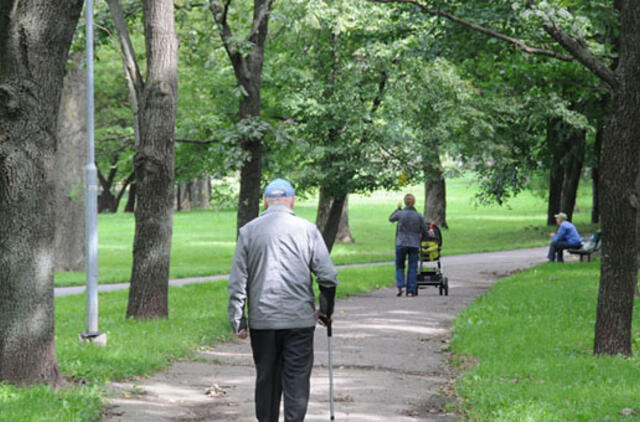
(435, 200)
(572, 171)
(344, 231)
(195, 194)
(556, 171)
(131, 199)
(154, 166)
(637, 190)
(555, 193)
(123, 190)
(595, 179)
(619, 167)
(106, 201)
(201, 193)
(250, 179)
(71, 159)
(435, 207)
(333, 221)
(324, 208)
(183, 196)
(34, 44)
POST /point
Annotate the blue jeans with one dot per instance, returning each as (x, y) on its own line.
(556, 248)
(401, 254)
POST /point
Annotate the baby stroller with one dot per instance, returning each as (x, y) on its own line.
(429, 266)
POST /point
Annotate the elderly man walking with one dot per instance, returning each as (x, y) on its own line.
(274, 258)
(409, 233)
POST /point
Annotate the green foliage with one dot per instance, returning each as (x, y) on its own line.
(516, 93)
(532, 337)
(224, 194)
(335, 64)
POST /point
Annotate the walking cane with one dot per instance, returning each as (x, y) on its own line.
(329, 335)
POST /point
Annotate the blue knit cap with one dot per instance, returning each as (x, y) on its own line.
(279, 188)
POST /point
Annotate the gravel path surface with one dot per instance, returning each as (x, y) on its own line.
(388, 358)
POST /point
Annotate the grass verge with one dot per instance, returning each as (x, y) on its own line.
(198, 318)
(532, 339)
(204, 240)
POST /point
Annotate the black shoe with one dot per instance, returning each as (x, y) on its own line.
(399, 293)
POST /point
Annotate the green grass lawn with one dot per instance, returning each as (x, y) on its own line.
(204, 241)
(532, 339)
(198, 317)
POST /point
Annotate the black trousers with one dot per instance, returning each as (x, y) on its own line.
(283, 359)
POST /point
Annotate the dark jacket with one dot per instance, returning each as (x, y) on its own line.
(411, 227)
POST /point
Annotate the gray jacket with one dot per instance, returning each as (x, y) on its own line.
(411, 227)
(275, 256)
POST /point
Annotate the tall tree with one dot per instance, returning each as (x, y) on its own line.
(247, 58)
(154, 168)
(153, 102)
(620, 151)
(35, 37)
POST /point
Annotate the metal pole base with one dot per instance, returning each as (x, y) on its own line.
(97, 339)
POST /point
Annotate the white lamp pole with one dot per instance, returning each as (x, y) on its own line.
(91, 334)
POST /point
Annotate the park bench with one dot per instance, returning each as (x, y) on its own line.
(592, 245)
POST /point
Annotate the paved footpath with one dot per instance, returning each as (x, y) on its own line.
(388, 358)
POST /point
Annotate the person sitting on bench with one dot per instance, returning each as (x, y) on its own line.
(566, 238)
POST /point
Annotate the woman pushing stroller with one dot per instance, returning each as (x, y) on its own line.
(410, 231)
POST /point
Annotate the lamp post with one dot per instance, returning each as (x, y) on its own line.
(91, 334)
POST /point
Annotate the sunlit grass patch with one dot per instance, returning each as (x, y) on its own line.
(204, 240)
(532, 336)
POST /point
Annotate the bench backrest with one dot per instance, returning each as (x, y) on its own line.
(596, 238)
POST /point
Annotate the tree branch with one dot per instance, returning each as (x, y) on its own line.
(219, 13)
(129, 180)
(381, 88)
(261, 15)
(494, 34)
(198, 141)
(581, 53)
(131, 68)
(103, 181)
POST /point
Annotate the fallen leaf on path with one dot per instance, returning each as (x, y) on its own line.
(215, 391)
(448, 391)
(344, 399)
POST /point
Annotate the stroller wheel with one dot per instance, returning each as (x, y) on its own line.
(446, 286)
(440, 289)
